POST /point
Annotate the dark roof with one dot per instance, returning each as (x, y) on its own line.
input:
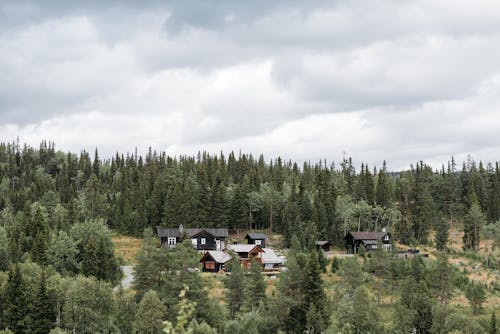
(256, 235)
(220, 232)
(322, 242)
(367, 235)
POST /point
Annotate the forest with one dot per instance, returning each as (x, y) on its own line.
(60, 211)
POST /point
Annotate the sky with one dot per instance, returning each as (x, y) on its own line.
(394, 80)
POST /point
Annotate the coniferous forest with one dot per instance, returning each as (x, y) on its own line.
(58, 266)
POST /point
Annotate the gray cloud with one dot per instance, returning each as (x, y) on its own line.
(380, 79)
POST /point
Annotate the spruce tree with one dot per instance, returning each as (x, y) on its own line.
(150, 314)
(314, 293)
(493, 324)
(474, 220)
(442, 234)
(234, 283)
(42, 310)
(255, 287)
(383, 191)
(15, 301)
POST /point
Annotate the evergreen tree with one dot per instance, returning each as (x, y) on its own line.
(150, 314)
(41, 310)
(255, 287)
(476, 294)
(314, 293)
(383, 192)
(442, 235)
(357, 315)
(492, 329)
(473, 222)
(441, 278)
(233, 283)
(15, 301)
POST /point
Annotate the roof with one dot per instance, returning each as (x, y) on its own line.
(220, 232)
(256, 235)
(322, 242)
(218, 256)
(367, 235)
(243, 248)
(269, 256)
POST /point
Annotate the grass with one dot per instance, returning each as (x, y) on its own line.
(127, 247)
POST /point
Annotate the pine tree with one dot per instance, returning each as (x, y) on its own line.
(442, 234)
(233, 283)
(255, 287)
(150, 314)
(90, 261)
(476, 294)
(383, 192)
(474, 220)
(40, 237)
(14, 301)
(493, 324)
(42, 310)
(441, 278)
(314, 293)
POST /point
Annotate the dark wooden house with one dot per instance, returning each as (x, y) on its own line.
(368, 240)
(201, 238)
(246, 253)
(323, 245)
(254, 238)
(215, 261)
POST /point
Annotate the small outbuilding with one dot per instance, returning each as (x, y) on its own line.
(323, 245)
(256, 238)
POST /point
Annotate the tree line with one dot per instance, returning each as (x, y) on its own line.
(315, 201)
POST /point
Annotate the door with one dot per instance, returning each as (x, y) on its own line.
(217, 244)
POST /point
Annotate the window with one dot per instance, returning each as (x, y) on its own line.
(203, 241)
(171, 241)
(194, 241)
(258, 242)
(386, 238)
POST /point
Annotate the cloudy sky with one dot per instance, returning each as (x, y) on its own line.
(400, 80)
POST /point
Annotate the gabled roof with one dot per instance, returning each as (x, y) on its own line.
(244, 248)
(255, 235)
(217, 256)
(220, 232)
(367, 235)
(269, 256)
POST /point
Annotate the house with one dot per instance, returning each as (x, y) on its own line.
(270, 260)
(255, 238)
(201, 238)
(246, 253)
(323, 245)
(215, 261)
(368, 240)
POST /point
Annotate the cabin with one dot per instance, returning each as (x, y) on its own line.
(323, 245)
(254, 238)
(215, 261)
(368, 240)
(201, 238)
(246, 253)
(270, 260)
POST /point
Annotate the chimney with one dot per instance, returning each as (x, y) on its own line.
(384, 230)
(181, 229)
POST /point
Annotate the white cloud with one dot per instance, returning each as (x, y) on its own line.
(378, 79)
